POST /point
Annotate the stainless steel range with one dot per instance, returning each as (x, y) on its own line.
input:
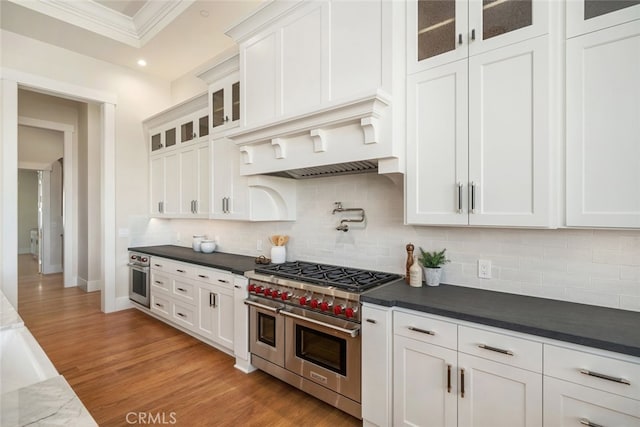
(305, 324)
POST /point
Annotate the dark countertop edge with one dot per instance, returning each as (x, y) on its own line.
(149, 250)
(545, 333)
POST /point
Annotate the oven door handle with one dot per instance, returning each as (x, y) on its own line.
(351, 332)
(264, 307)
(138, 268)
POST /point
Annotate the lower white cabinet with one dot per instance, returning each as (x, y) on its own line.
(202, 300)
(568, 405)
(424, 384)
(215, 313)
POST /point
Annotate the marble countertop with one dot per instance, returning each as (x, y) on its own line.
(50, 402)
(600, 327)
(237, 264)
(9, 317)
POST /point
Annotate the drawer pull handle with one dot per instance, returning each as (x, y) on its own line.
(237, 287)
(372, 321)
(223, 281)
(462, 383)
(604, 377)
(203, 276)
(448, 378)
(180, 271)
(159, 305)
(157, 265)
(159, 282)
(182, 289)
(422, 331)
(496, 349)
(181, 315)
(586, 422)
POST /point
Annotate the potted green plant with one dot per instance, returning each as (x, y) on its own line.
(431, 263)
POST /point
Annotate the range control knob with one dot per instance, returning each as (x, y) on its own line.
(258, 289)
(251, 287)
(145, 259)
(275, 293)
(314, 303)
(267, 292)
(348, 312)
(303, 300)
(337, 310)
(285, 296)
(324, 306)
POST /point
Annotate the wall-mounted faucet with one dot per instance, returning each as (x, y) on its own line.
(345, 227)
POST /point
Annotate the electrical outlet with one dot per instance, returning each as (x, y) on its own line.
(259, 245)
(484, 269)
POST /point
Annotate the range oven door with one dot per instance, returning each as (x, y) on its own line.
(266, 332)
(324, 350)
(139, 284)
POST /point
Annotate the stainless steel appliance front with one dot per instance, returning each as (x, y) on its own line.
(139, 278)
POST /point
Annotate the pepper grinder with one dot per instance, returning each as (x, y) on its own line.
(410, 249)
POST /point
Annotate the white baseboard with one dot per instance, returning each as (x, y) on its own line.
(94, 285)
(244, 365)
(82, 284)
(123, 303)
(24, 251)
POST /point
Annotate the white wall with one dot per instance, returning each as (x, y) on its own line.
(600, 267)
(38, 147)
(27, 208)
(138, 97)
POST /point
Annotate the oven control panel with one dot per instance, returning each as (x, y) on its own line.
(320, 302)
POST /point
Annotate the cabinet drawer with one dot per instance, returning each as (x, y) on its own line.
(177, 268)
(600, 372)
(214, 277)
(502, 348)
(184, 314)
(160, 283)
(183, 290)
(160, 306)
(425, 329)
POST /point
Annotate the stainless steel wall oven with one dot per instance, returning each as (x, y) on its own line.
(139, 278)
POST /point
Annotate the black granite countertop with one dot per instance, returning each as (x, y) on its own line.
(593, 326)
(237, 264)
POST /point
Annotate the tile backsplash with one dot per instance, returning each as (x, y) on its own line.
(600, 267)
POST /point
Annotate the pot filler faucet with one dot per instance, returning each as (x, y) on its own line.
(345, 227)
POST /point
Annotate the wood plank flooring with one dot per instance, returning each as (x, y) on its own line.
(131, 369)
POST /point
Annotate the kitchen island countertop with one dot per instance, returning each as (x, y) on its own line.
(593, 326)
(236, 264)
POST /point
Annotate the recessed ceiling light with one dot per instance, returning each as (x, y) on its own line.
(142, 62)
(204, 13)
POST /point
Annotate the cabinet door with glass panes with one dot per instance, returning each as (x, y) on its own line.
(224, 96)
(443, 31)
(585, 16)
(191, 128)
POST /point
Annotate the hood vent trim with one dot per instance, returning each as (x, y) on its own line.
(348, 168)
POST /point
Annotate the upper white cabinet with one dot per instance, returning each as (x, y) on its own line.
(603, 127)
(179, 160)
(584, 16)
(478, 140)
(224, 96)
(316, 81)
(442, 31)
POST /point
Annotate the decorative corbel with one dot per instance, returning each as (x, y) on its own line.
(247, 154)
(370, 128)
(279, 147)
(319, 138)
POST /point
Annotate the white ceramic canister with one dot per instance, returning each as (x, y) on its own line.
(278, 254)
(415, 273)
(207, 246)
(197, 241)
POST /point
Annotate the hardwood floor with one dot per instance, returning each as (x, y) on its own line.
(131, 369)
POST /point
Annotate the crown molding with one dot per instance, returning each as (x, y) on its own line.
(94, 17)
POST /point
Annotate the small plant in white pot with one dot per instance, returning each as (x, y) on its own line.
(431, 263)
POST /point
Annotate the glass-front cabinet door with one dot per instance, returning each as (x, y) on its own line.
(225, 103)
(584, 16)
(156, 140)
(442, 31)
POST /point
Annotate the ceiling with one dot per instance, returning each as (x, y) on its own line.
(174, 37)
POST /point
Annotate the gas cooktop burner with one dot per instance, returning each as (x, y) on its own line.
(351, 279)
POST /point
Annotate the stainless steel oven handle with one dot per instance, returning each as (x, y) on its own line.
(138, 267)
(351, 332)
(265, 307)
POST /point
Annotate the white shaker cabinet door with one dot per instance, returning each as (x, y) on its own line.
(424, 384)
(437, 145)
(603, 128)
(509, 139)
(497, 395)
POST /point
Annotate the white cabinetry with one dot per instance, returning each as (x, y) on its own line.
(478, 140)
(453, 375)
(201, 300)
(582, 388)
(584, 16)
(603, 127)
(377, 369)
(179, 160)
